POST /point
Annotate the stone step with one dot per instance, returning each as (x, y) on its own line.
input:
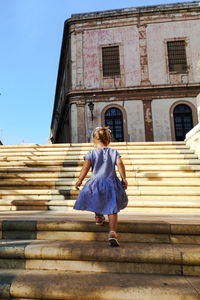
(135, 203)
(88, 145)
(153, 175)
(132, 199)
(36, 164)
(69, 156)
(41, 284)
(143, 258)
(147, 210)
(132, 210)
(132, 177)
(69, 183)
(12, 168)
(13, 208)
(47, 161)
(140, 226)
(52, 204)
(79, 147)
(123, 152)
(167, 164)
(171, 229)
(81, 152)
(144, 190)
(83, 148)
(63, 183)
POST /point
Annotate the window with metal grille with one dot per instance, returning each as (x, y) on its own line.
(110, 61)
(177, 56)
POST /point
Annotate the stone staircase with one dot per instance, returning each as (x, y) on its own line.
(49, 251)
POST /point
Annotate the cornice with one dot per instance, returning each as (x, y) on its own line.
(133, 88)
(136, 93)
(136, 10)
(133, 22)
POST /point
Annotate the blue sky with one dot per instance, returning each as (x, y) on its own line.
(31, 35)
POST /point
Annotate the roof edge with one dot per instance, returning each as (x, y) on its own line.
(139, 9)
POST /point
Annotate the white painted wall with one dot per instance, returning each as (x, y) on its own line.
(135, 120)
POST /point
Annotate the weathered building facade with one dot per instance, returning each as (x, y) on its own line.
(138, 67)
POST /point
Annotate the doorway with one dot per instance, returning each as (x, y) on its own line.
(183, 121)
(114, 119)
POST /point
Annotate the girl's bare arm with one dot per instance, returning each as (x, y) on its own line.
(122, 172)
(83, 173)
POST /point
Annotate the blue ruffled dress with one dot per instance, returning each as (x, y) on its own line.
(103, 193)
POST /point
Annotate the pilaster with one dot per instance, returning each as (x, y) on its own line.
(143, 55)
(79, 60)
(81, 122)
(148, 123)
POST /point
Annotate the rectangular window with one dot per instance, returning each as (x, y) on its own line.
(110, 61)
(177, 56)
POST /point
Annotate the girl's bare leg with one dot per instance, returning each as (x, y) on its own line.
(112, 237)
(113, 219)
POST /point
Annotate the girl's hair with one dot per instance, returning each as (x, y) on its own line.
(102, 134)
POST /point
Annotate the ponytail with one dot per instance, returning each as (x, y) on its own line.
(102, 134)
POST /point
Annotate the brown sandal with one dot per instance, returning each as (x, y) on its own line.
(113, 242)
(99, 220)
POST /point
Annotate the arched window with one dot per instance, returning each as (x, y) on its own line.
(114, 119)
(183, 121)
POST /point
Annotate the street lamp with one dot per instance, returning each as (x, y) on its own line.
(91, 107)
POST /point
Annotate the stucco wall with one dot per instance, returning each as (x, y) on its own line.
(156, 48)
(161, 117)
(135, 120)
(86, 53)
(93, 40)
(73, 61)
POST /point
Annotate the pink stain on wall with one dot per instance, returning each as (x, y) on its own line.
(90, 59)
(126, 38)
(131, 56)
(158, 34)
